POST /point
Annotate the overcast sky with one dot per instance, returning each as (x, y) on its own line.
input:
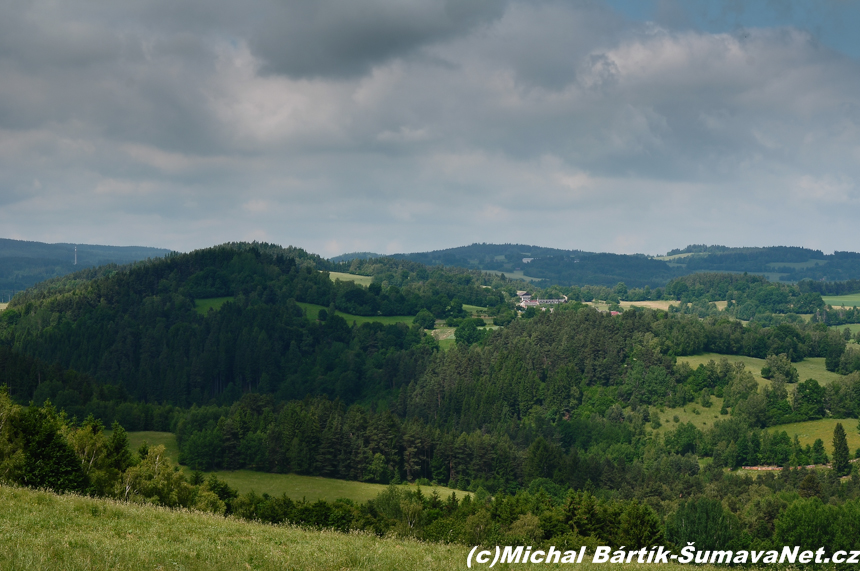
(412, 125)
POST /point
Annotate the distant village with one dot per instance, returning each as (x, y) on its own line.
(526, 301)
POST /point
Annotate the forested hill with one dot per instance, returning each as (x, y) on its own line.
(554, 266)
(782, 262)
(138, 326)
(23, 264)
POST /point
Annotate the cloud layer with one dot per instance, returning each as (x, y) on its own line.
(402, 126)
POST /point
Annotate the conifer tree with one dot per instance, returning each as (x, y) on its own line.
(840, 451)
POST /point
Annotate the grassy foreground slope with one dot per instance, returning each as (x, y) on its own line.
(40, 530)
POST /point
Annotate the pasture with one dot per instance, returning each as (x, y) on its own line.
(294, 485)
(474, 310)
(3, 306)
(202, 306)
(853, 327)
(658, 304)
(313, 310)
(513, 275)
(673, 257)
(42, 530)
(700, 416)
(360, 280)
(807, 432)
(852, 300)
(812, 368)
(796, 265)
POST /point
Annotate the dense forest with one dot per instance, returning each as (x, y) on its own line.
(556, 420)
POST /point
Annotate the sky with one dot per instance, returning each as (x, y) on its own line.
(628, 126)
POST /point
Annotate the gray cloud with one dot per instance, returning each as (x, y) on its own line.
(409, 126)
(343, 38)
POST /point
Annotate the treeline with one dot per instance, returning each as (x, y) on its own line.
(663, 498)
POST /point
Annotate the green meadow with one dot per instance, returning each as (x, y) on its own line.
(811, 430)
(853, 327)
(475, 310)
(515, 275)
(41, 530)
(360, 280)
(700, 416)
(202, 306)
(312, 311)
(852, 300)
(812, 368)
(294, 485)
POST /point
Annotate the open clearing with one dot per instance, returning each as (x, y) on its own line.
(475, 310)
(515, 275)
(852, 300)
(704, 418)
(807, 432)
(360, 280)
(797, 265)
(41, 530)
(660, 304)
(853, 327)
(202, 306)
(294, 485)
(674, 257)
(3, 306)
(812, 368)
(312, 311)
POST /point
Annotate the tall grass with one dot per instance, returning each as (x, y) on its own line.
(40, 530)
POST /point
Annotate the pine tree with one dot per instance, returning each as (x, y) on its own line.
(840, 451)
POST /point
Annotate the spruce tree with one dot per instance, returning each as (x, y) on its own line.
(840, 451)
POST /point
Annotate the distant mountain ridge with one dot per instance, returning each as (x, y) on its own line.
(579, 267)
(25, 263)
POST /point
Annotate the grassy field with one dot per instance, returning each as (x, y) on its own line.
(807, 432)
(313, 310)
(360, 280)
(812, 368)
(660, 304)
(797, 265)
(166, 439)
(475, 310)
(852, 300)
(3, 306)
(294, 485)
(674, 257)
(705, 417)
(516, 275)
(40, 530)
(854, 327)
(202, 306)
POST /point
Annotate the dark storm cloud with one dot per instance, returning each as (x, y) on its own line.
(393, 126)
(344, 38)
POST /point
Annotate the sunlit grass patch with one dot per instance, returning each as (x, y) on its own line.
(202, 306)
